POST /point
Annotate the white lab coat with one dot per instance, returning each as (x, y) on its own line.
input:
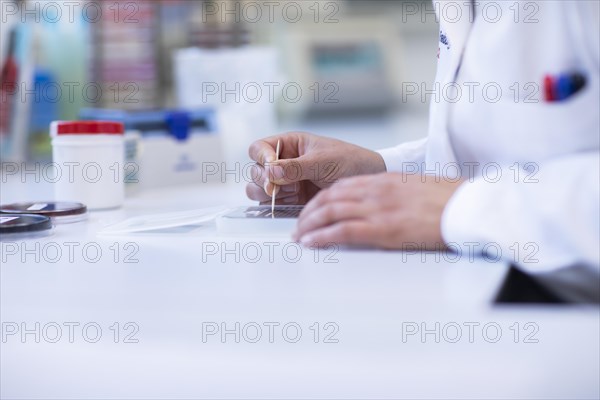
(546, 218)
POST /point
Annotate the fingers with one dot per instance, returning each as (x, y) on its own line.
(273, 177)
(330, 214)
(258, 193)
(339, 192)
(284, 201)
(353, 233)
(261, 189)
(264, 151)
(260, 177)
(285, 172)
(294, 164)
(340, 215)
(281, 191)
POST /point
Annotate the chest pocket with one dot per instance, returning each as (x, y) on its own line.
(513, 129)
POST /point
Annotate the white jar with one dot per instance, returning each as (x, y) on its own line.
(89, 159)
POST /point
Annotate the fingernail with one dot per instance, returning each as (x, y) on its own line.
(291, 200)
(307, 240)
(276, 172)
(266, 186)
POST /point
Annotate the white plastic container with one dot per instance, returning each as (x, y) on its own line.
(89, 158)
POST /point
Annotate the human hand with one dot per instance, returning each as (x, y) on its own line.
(386, 211)
(308, 163)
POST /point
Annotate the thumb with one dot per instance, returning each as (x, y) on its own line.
(285, 172)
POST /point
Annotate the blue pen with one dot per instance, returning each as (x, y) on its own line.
(564, 87)
(567, 85)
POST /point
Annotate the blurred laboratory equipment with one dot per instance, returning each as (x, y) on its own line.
(167, 147)
(238, 84)
(257, 65)
(89, 159)
(124, 55)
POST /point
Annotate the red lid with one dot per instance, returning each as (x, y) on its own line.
(89, 128)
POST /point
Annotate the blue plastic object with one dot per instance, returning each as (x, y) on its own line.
(178, 123)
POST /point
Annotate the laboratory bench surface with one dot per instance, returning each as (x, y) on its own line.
(186, 313)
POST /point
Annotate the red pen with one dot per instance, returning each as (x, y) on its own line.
(549, 88)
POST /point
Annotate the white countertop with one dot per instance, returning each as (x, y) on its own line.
(174, 285)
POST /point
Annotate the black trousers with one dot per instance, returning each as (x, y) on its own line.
(520, 288)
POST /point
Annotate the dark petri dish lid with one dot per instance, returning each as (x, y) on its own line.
(50, 209)
(24, 223)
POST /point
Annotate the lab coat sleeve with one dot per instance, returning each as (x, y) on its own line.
(548, 227)
(406, 158)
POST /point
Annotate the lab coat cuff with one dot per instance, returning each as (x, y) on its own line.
(465, 224)
(456, 216)
(392, 162)
(407, 158)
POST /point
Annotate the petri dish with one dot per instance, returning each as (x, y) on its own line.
(259, 221)
(24, 226)
(61, 212)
